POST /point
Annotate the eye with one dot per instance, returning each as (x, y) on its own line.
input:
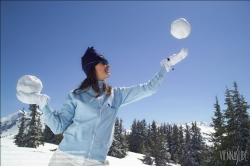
(104, 62)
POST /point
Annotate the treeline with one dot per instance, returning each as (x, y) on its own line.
(164, 143)
(170, 143)
(229, 144)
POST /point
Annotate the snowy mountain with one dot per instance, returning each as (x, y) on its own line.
(10, 123)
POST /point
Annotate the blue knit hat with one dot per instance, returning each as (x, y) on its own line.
(90, 59)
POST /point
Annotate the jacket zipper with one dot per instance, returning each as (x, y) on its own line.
(94, 133)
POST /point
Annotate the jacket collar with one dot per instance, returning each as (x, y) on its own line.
(100, 85)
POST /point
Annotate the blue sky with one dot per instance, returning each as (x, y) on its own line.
(47, 40)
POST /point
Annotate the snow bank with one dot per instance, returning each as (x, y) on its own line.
(13, 155)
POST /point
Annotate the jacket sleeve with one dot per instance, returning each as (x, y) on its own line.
(58, 121)
(134, 93)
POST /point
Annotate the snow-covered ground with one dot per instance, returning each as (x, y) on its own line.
(13, 155)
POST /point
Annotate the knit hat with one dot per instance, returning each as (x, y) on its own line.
(90, 59)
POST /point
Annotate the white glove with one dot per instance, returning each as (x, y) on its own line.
(174, 59)
(33, 98)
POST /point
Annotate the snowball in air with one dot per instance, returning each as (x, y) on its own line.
(29, 84)
(180, 28)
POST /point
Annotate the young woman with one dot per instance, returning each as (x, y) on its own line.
(92, 108)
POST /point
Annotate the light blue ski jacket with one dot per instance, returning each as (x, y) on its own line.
(91, 133)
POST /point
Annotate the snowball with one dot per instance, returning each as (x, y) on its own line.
(180, 28)
(29, 84)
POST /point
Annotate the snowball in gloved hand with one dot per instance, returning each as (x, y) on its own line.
(180, 28)
(28, 91)
(29, 84)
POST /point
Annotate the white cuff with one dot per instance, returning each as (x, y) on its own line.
(167, 64)
(42, 100)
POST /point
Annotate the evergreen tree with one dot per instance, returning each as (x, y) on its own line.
(119, 145)
(49, 136)
(188, 159)
(135, 137)
(34, 135)
(213, 153)
(218, 124)
(40, 138)
(132, 137)
(153, 128)
(153, 138)
(169, 132)
(59, 138)
(148, 137)
(242, 119)
(227, 143)
(161, 150)
(237, 126)
(142, 131)
(122, 139)
(197, 143)
(147, 158)
(181, 145)
(230, 125)
(19, 139)
(208, 159)
(157, 150)
(175, 144)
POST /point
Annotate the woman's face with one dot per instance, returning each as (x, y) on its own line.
(102, 71)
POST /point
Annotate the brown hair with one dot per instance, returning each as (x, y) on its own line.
(91, 81)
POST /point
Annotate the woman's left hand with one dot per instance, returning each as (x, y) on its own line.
(174, 59)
